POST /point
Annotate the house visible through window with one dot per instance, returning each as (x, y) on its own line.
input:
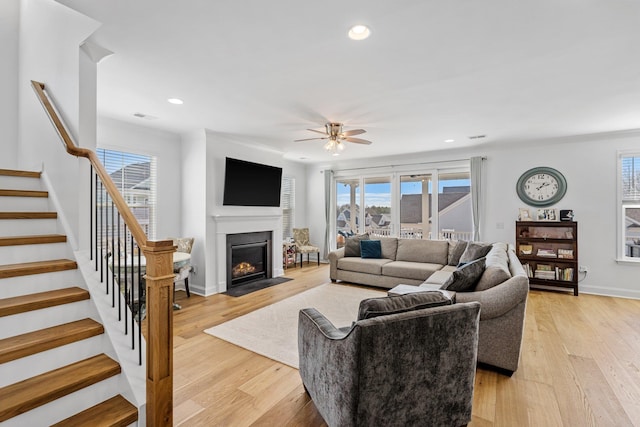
(288, 203)
(135, 177)
(629, 166)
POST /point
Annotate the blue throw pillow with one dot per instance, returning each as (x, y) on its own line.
(370, 249)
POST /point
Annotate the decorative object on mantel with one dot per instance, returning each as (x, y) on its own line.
(524, 215)
(336, 136)
(547, 215)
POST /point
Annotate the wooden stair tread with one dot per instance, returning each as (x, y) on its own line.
(114, 412)
(24, 303)
(24, 174)
(13, 348)
(37, 267)
(23, 193)
(32, 240)
(25, 395)
(28, 215)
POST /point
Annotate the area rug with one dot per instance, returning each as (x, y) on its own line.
(256, 286)
(272, 331)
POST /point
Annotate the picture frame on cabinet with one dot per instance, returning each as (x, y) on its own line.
(524, 215)
(547, 214)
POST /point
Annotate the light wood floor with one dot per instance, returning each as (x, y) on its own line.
(580, 365)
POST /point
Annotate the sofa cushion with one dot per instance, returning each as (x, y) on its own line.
(410, 270)
(492, 276)
(438, 278)
(474, 251)
(456, 249)
(465, 277)
(362, 265)
(370, 249)
(352, 245)
(389, 247)
(374, 307)
(418, 250)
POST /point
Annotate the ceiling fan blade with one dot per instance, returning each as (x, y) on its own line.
(318, 131)
(353, 132)
(357, 140)
(307, 139)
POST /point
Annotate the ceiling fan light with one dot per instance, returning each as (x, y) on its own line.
(359, 32)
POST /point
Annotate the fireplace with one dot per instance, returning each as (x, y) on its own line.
(248, 258)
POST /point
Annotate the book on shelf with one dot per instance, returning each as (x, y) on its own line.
(544, 274)
(565, 253)
(526, 249)
(548, 253)
(564, 274)
(544, 267)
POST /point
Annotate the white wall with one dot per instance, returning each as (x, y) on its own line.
(9, 19)
(218, 146)
(165, 146)
(50, 36)
(589, 165)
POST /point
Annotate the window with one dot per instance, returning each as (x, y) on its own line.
(288, 198)
(629, 196)
(135, 177)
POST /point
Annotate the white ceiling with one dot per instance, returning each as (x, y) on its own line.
(432, 70)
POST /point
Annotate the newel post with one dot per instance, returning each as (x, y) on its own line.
(159, 279)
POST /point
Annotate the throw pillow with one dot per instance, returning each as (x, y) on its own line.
(456, 252)
(491, 277)
(465, 277)
(370, 249)
(352, 245)
(374, 307)
(474, 251)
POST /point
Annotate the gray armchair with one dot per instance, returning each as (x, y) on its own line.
(404, 369)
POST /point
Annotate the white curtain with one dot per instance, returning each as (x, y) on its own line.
(476, 195)
(327, 210)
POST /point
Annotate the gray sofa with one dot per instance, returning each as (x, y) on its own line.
(407, 368)
(502, 290)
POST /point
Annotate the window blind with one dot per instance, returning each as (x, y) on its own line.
(288, 198)
(135, 177)
(630, 179)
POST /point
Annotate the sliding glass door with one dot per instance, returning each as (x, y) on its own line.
(415, 206)
(454, 206)
(347, 209)
(377, 206)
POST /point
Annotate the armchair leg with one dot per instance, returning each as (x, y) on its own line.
(186, 287)
(318, 259)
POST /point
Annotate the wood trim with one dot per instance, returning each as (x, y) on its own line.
(31, 393)
(28, 215)
(32, 240)
(24, 303)
(24, 193)
(114, 412)
(13, 348)
(38, 267)
(23, 174)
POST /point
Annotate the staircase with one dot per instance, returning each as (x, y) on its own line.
(52, 363)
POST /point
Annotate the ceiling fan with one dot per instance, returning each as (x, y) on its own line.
(335, 136)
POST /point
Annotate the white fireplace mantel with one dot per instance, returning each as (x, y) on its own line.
(231, 224)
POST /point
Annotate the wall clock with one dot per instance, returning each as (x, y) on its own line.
(541, 186)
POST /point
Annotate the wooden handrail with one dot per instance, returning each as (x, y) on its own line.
(159, 280)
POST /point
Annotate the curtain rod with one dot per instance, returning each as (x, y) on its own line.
(407, 164)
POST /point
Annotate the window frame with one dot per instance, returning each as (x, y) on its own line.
(622, 205)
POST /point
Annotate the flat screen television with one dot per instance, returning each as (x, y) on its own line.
(251, 184)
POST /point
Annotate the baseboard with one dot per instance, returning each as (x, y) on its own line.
(609, 292)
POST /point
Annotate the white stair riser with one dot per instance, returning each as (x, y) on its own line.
(45, 318)
(67, 406)
(11, 204)
(31, 284)
(27, 227)
(30, 253)
(36, 364)
(20, 183)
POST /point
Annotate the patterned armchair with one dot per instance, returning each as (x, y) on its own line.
(184, 244)
(301, 240)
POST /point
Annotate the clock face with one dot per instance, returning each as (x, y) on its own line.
(541, 186)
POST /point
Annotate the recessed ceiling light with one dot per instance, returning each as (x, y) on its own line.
(449, 140)
(359, 32)
(176, 101)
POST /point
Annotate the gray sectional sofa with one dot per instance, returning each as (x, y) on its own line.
(502, 289)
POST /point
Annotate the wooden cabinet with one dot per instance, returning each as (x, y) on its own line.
(548, 252)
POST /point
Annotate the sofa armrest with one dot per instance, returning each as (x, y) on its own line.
(334, 256)
(500, 299)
